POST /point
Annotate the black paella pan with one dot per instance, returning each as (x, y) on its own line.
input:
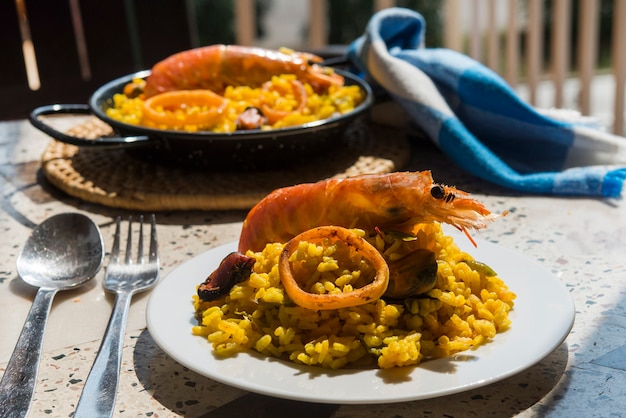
(248, 149)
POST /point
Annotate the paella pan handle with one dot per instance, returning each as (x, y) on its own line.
(58, 109)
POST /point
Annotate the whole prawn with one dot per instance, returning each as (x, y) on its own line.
(216, 66)
(396, 201)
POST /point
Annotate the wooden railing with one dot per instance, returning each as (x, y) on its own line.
(499, 47)
(558, 69)
(143, 40)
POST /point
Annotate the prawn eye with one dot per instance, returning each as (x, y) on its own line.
(438, 192)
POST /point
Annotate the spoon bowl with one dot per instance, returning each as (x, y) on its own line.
(61, 253)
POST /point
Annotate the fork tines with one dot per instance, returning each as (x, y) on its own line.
(152, 252)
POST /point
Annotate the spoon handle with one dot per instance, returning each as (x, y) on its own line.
(98, 397)
(18, 383)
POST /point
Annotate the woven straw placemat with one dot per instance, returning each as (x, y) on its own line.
(114, 178)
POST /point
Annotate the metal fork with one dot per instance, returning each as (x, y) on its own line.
(124, 279)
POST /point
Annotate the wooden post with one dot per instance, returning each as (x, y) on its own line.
(453, 35)
(560, 47)
(318, 24)
(245, 28)
(587, 50)
(534, 50)
(619, 64)
(512, 45)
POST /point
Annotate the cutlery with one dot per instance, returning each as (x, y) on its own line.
(62, 252)
(124, 279)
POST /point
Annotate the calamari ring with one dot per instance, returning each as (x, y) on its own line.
(161, 110)
(360, 296)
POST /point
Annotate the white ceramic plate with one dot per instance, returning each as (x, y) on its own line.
(541, 299)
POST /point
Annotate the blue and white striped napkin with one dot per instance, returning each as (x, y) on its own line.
(479, 122)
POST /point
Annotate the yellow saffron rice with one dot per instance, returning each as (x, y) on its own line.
(467, 307)
(278, 95)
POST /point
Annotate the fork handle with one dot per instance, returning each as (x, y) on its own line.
(99, 393)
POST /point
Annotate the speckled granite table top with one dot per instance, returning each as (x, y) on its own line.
(581, 241)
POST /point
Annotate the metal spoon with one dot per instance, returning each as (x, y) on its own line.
(62, 252)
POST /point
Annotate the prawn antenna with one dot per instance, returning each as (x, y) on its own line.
(467, 234)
